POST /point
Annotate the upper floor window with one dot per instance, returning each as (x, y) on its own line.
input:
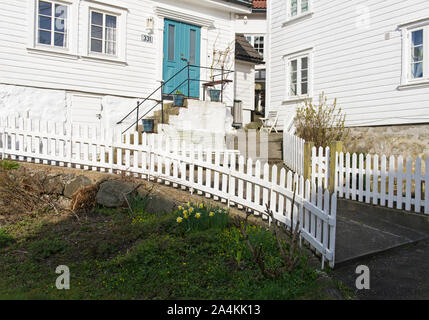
(298, 7)
(52, 23)
(103, 33)
(417, 54)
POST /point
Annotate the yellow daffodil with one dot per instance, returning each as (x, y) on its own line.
(211, 214)
(179, 220)
(191, 210)
(180, 208)
(185, 212)
(189, 204)
(198, 215)
(201, 205)
(185, 216)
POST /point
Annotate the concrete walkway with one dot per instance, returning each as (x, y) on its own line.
(393, 244)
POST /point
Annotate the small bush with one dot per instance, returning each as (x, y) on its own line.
(198, 217)
(9, 165)
(5, 239)
(321, 123)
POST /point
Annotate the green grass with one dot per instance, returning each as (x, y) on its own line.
(113, 254)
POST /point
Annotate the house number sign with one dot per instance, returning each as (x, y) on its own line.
(147, 38)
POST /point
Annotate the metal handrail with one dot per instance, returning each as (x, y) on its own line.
(163, 83)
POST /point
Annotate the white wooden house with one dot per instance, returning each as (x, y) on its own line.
(373, 56)
(90, 61)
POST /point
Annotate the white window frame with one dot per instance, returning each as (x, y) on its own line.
(288, 58)
(407, 81)
(252, 42)
(121, 14)
(299, 14)
(72, 17)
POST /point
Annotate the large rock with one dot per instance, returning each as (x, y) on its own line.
(159, 204)
(53, 185)
(72, 186)
(111, 193)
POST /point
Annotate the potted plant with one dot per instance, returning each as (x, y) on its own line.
(214, 95)
(178, 98)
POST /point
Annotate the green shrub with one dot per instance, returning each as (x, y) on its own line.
(198, 217)
(9, 165)
(5, 238)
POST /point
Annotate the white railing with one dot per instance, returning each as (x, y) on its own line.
(248, 184)
(293, 152)
(383, 182)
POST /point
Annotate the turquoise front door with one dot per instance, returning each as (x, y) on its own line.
(181, 45)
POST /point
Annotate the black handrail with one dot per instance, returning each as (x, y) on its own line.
(163, 83)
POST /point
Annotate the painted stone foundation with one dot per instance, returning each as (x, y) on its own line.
(405, 140)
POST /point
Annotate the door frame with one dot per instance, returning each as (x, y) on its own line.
(204, 24)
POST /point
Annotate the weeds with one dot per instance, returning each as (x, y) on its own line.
(9, 165)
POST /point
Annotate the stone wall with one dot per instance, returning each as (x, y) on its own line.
(405, 140)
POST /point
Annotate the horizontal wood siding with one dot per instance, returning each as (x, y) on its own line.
(352, 63)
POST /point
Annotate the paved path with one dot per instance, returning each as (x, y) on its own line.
(392, 243)
(397, 274)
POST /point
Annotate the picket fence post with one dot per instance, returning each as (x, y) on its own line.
(334, 148)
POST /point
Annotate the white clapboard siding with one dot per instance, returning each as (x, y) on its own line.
(156, 159)
(395, 182)
(293, 152)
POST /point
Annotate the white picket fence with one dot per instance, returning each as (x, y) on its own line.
(320, 159)
(248, 184)
(293, 152)
(383, 181)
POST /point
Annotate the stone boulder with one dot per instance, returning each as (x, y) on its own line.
(158, 204)
(111, 193)
(77, 183)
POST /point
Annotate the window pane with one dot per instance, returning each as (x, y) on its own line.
(45, 8)
(304, 6)
(293, 89)
(293, 7)
(248, 38)
(97, 19)
(45, 23)
(60, 11)
(417, 70)
(171, 40)
(304, 88)
(304, 63)
(96, 45)
(193, 45)
(110, 21)
(417, 54)
(59, 40)
(304, 76)
(97, 32)
(110, 47)
(44, 37)
(417, 38)
(110, 34)
(294, 65)
(60, 25)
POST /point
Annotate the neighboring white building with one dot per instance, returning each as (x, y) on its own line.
(247, 60)
(373, 56)
(89, 61)
(254, 27)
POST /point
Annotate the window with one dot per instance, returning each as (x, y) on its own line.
(298, 7)
(417, 54)
(257, 42)
(103, 33)
(52, 23)
(298, 75)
